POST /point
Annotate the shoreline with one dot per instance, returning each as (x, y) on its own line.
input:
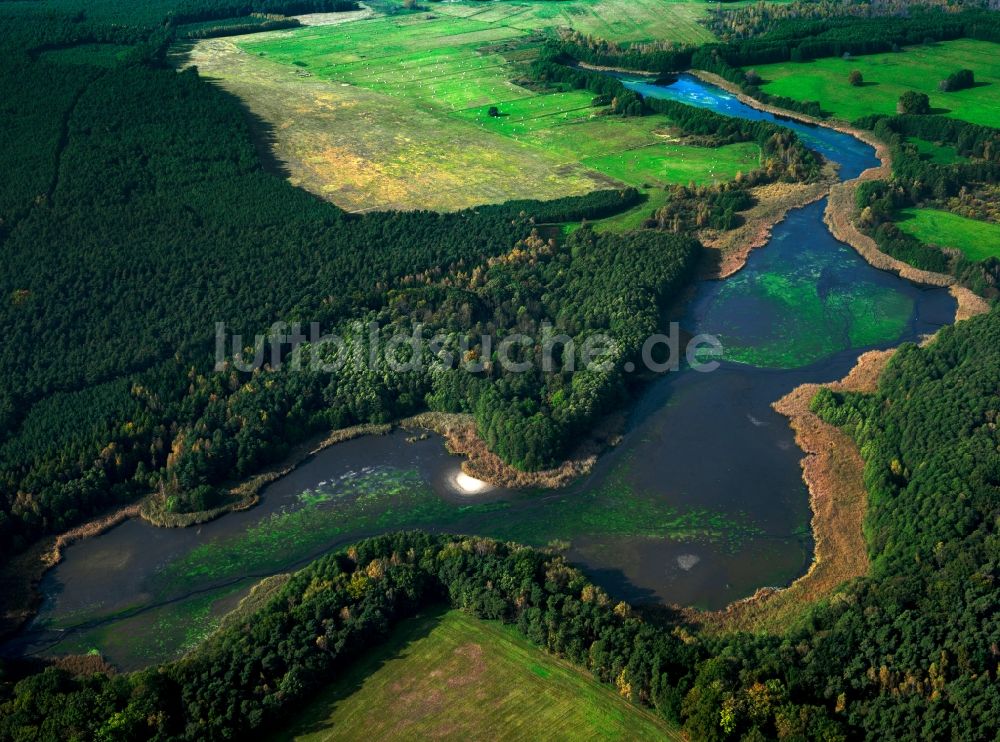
(833, 471)
(21, 576)
(759, 231)
(827, 461)
(840, 209)
(246, 493)
(832, 467)
(774, 202)
(462, 439)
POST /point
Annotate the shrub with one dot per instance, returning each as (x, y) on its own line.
(913, 102)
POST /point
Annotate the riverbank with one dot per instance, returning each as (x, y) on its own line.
(833, 470)
(772, 208)
(20, 577)
(832, 467)
(772, 204)
(841, 210)
(246, 494)
(881, 150)
(462, 439)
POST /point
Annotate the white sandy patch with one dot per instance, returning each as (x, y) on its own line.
(469, 485)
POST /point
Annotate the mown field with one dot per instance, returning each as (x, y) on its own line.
(977, 240)
(887, 76)
(615, 20)
(393, 112)
(446, 675)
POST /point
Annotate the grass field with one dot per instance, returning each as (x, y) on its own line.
(393, 112)
(614, 20)
(887, 76)
(977, 240)
(937, 153)
(445, 675)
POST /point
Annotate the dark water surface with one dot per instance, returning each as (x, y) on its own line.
(702, 503)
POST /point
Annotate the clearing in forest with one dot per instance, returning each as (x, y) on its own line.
(976, 239)
(446, 675)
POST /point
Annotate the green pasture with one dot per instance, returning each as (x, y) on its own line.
(976, 239)
(446, 675)
(440, 73)
(663, 163)
(615, 20)
(887, 76)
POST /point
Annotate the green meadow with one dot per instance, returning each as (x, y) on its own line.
(446, 675)
(614, 20)
(939, 154)
(977, 240)
(394, 111)
(887, 76)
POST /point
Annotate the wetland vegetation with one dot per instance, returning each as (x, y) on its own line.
(589, 198)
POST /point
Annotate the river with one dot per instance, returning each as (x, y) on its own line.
(700, 504)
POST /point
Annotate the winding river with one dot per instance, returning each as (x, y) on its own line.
(700, 504)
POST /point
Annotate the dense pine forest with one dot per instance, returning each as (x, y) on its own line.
(150, 178)
(136, 212)
(908, 652)
(139, 176)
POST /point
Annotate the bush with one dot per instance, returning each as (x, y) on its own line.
(959, 80)
(914, 103)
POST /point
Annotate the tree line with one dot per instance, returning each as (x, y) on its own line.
(917, 180)
(906, 651)
(194, 11)
(755, 19)
(136, 215)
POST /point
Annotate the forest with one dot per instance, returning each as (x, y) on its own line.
(132, 174)
(175, 200)
(222, 239)
(907, 651)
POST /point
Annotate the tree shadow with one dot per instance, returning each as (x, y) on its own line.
(262, 133)
(939, 111)
(265, 139)
(619, 586)
(711, 262)
(312, 716)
